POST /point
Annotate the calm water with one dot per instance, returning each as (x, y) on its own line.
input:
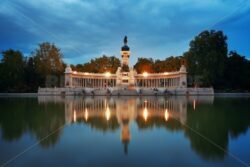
(128, 131)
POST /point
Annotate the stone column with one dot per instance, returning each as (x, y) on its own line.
(183, 77)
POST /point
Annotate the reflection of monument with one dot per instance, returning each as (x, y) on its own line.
(125, 113)
(125, 135)
(110, 114)
(115, 113)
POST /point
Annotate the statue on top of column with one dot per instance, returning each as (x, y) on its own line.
(125, 40)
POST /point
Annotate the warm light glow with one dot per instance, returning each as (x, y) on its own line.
(107, 74)
(86, 73)
(86, 114)
(74, 72)
(145, 74)
(107, 114)
(145, 114)
(166, 73)
(74, 116)
(166, 115)
(194, 104)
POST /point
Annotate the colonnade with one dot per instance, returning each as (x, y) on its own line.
(158, 82)
(140, 82)
(93, 82)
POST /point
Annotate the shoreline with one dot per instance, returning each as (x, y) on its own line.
(18, 94)
(232, 94)
(36, 95)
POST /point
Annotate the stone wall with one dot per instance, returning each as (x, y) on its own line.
(116, 91)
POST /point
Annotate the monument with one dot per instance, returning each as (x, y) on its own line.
(126, 81)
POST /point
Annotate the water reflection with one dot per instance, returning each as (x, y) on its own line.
(21, 116)
(217, 119)
(112, 113)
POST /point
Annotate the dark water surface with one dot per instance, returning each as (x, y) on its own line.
(125, 131)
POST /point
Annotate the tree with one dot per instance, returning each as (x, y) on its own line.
(31, 76)
(144, 65)
(48, 61)
(12, 71)
(169, 64)
(100, 65)
(207, 57)
(237, 72)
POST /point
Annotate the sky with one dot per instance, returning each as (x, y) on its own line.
(86, 29)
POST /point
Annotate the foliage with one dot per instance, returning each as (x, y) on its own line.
(237, 72)
(157, 66)
(125, 68)
(19, 74)
(31, 75)
(12, 71)
(99, 65)
(48, 61)
(144, 65)
(169, 64)
(207, 49)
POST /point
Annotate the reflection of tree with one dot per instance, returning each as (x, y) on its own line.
(22, 115)
(209, 124)
(225, 118)
(100, 123)
(217, 122)
(171, 124)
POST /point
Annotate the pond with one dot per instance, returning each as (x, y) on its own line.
(125, 131)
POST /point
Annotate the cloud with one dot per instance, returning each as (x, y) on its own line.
(84, 29)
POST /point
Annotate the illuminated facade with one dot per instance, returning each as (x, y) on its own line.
(126, 77)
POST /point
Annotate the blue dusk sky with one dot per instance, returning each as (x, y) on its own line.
(85, 29)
